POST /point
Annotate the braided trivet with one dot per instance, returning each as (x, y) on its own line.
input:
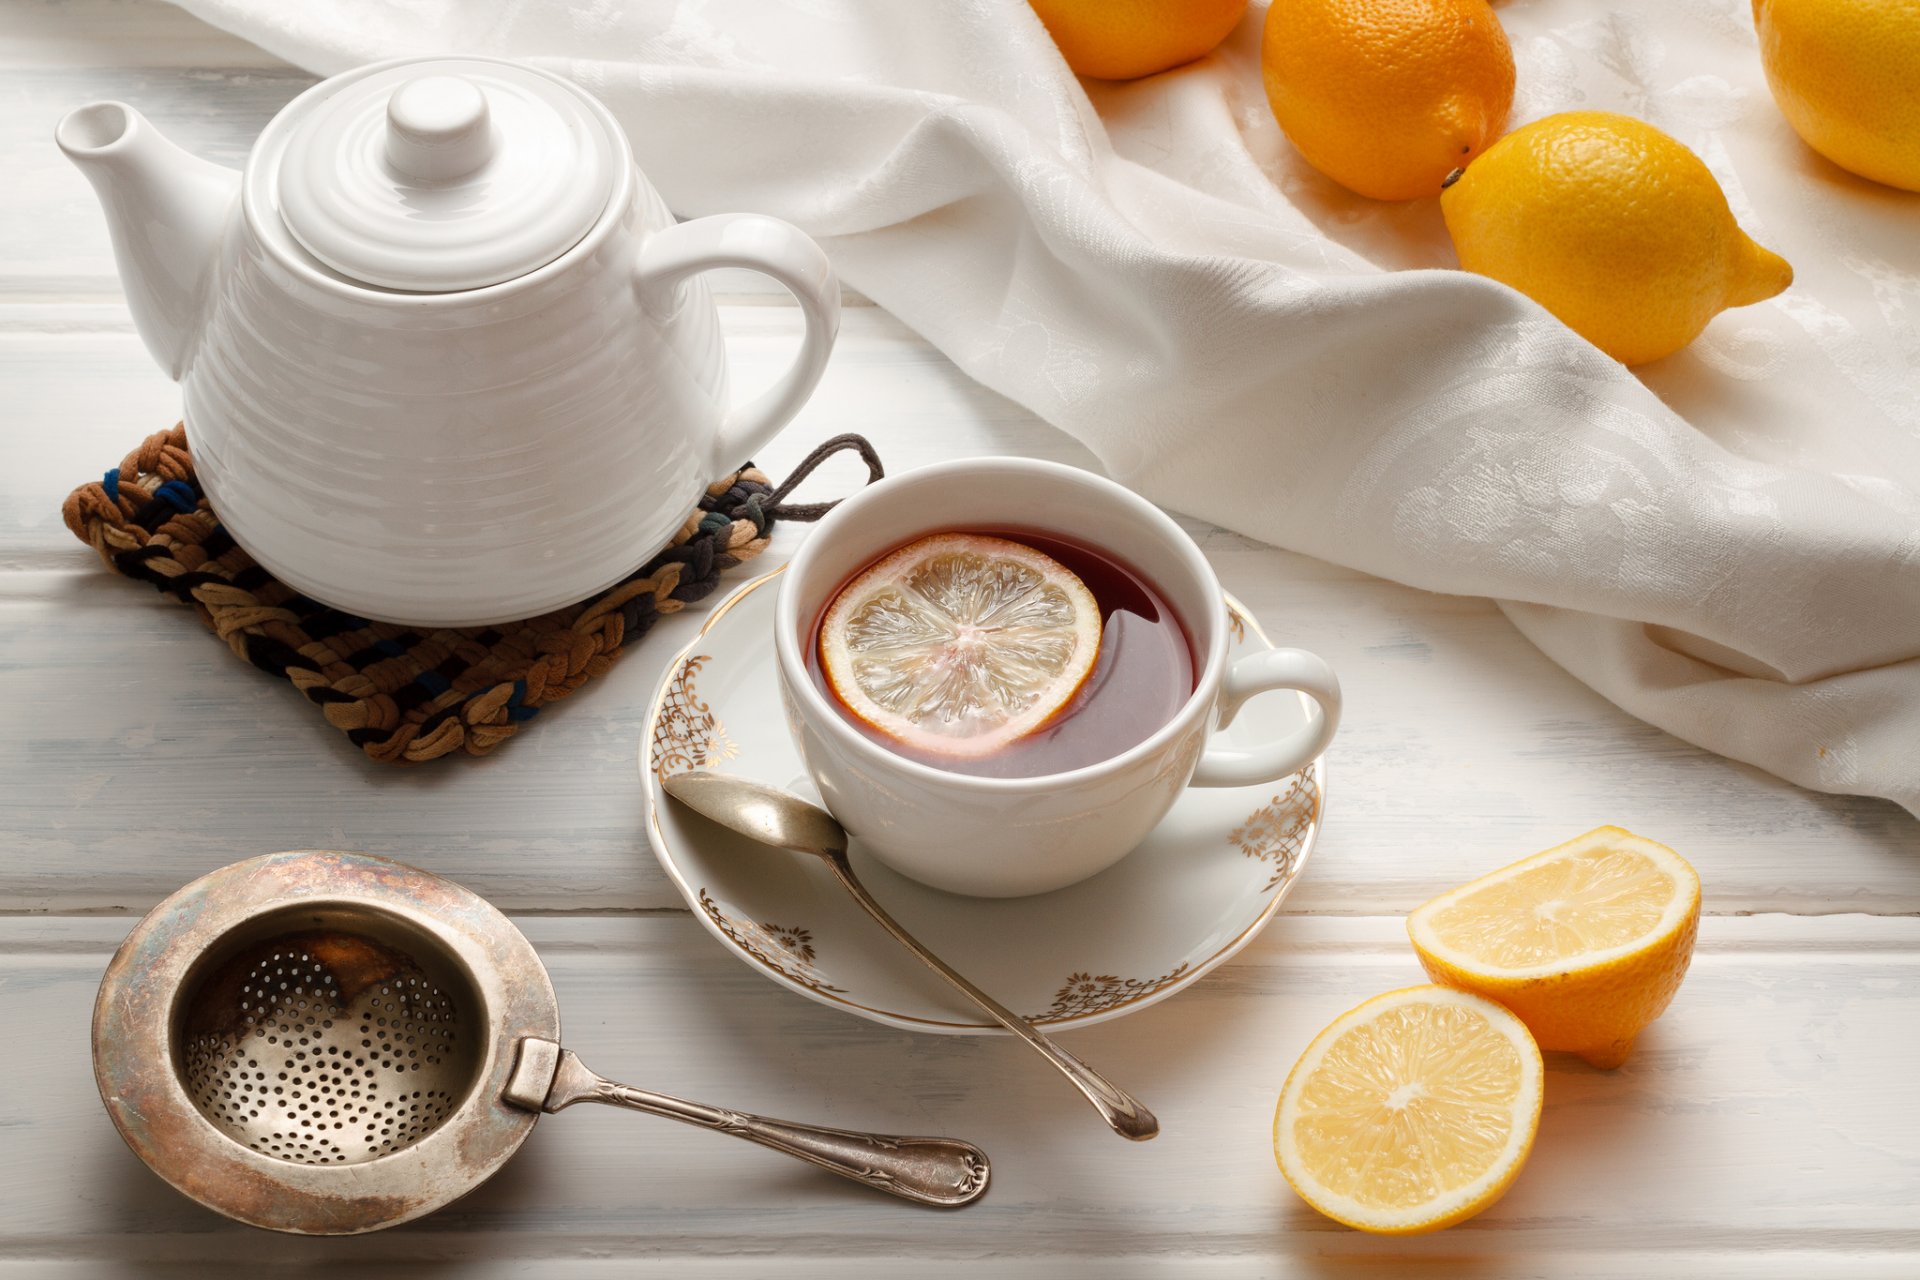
(403, 694)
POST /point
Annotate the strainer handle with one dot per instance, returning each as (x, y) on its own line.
(936, 1171)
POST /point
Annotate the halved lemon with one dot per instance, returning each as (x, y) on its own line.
(1586, 942)
(960, 643)
(1410, 1113)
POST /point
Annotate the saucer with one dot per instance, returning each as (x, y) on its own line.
(1195, 892)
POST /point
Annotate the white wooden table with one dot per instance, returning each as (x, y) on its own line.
(1768, 1126)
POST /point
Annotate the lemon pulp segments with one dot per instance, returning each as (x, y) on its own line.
(960, 643)
(1544, 914)
(1587, 943)
(1411, 1112)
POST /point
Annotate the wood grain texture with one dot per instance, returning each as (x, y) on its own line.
(1463, 748)
(1755, 1117)
(1767, 1128)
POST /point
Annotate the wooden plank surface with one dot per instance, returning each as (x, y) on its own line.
(1462, 748)
(1767, 1128)
(1751, 1119)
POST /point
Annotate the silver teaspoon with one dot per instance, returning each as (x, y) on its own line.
(783, 820)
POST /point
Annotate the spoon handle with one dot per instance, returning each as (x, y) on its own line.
(1122, 1112)
(937, 1171)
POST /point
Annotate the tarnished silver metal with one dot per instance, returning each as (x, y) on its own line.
(326, 1046)
(331, 1043)
(936, 1171)
(782, 820)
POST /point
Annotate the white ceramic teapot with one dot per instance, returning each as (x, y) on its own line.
(443, 351)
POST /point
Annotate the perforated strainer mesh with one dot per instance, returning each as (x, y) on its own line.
(325, 1048)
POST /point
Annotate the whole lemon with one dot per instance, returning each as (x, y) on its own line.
(1611, 225)
(1387, 97)
(1846, 74)
(1122, 39)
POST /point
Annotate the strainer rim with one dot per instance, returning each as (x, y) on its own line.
(134, 1054)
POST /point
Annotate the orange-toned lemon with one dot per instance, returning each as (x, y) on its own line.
(1387, 97)
(1123, 39)
(1586, 942)
(1412, 1112)
(960, 643)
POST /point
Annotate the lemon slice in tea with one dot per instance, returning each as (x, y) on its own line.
(960, 643)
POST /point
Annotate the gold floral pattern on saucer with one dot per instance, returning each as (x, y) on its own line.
(1279, 829)
(1086, 994)
(1203, 884)
(686, 733)
(786, 948)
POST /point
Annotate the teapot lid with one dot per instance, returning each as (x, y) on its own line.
(448, 174)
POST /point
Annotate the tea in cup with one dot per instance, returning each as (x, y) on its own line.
(998, 704)
(1002, 653)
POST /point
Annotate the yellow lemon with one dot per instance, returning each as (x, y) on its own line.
(1387, 97)
(1614, 227)
(1586, 942)
(1122, 39)
(1410, 1113)
(1846, 74)
(960, 643)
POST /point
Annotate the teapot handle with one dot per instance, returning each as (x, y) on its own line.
(773, 248)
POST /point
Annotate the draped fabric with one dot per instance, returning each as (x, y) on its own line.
(1725, 543)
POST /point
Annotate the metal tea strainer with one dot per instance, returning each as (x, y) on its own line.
(331, 1043)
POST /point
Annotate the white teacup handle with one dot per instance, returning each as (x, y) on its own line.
(1259, 673)
(771, 247)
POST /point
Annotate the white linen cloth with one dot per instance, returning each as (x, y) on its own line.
(1726, 544)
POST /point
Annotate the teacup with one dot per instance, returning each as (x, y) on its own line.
(1007, 837)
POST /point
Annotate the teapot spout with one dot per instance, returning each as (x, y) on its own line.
(168, 212)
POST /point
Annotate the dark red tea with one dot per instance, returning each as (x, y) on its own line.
(1143, 675)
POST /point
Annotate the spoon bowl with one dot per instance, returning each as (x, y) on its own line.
(779, 819)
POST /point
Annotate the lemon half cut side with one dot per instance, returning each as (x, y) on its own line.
(1412, 1112)
(1586, 942)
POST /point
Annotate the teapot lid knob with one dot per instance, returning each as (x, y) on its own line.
(438, 126)
(433, 175)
